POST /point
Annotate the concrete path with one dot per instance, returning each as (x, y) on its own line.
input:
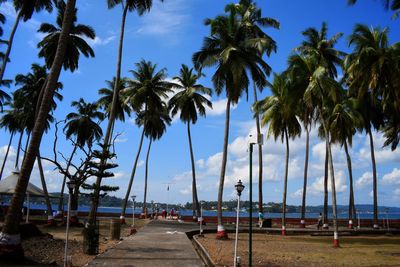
(160, 243)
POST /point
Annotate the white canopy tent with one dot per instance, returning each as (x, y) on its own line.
(8, 185)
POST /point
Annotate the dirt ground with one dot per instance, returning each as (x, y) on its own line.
(275, 250)
(49, 249)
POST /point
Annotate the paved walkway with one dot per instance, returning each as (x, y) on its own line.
(160, 243)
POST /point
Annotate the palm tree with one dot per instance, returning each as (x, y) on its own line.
(252, 21)
(84, 126)
(321, 48)
(190, 101)
(146, 91)
(228, 49)
(371, 74)
(141, 6)
(75, 43)
(25, 10)
(154, 122)
(279, 111)
(10, 237)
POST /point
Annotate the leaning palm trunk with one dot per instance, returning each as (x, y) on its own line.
(351, 197)
(260, 157)
(325, 217)
(111, 119)
(26, 146)
(61, 199)
(285, 184)
(10, 239)
(9, 46)
(196, 206)
(221, 233)
(128, 191)
(18, 150)
(46, 194)
(375, 178)
(303, 203)
(145, 179)
(6, 155)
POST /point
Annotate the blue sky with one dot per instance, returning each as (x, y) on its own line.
(168, 36)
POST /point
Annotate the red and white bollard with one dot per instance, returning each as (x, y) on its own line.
(325, 226)
(50, 220)
(59, 214)
(221, 233)
(376, 226)
(302, 224)
(350, 224)
(336, 240)
(122, 219)
(283, 230)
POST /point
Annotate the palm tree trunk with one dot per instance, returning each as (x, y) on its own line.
(145, 179)
(9, 46)
(18, 150)
(326, 174)
(107, 136)
(375, 178)
(10, 239)
(303, 202)
(351, 197)
(221, 233)
(26, 146)
(61, 199)
(196, 206)
(260, 157)
(44, 187)
(128, 191)
(6, 155)
(285, 184)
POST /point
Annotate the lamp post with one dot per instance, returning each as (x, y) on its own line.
(71, 186)
(239, 188)
(387, 219)
(201, 219)
(152, 210)
(257, 140)
(133, 213)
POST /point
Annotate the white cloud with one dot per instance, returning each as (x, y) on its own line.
(140, 163)
(119, 175)
(200, 163)
(392, 178)
(317, 187)
(98, 41)
(218, 107)
(182, 177)
(365, 179)
(165, 18)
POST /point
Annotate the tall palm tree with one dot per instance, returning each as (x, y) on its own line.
(154, 122)
(370, 71)
(343, 123)
(190, 101)
(84, 126)
(253, 22)
(146, 91)
(318, 46)
(141, 6)
(10, 240)
(279, 111)
(25, 10)
(393, 5)
(75, 43)
(228, 49)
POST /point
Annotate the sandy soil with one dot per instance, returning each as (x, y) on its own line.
(274, 250)
(48, 250)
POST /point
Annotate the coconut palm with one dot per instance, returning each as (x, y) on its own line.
(343, 123)
(84, 126)
(75, 43)
(154, 122)
(316, 45)
(371, 73)
(10, 242)
(190, 100)
(393, 5)
(25, 10)
(146, 91)
(228, 49)
(279, 111)
(252, 21)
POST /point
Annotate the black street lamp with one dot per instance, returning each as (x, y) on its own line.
(71, 186)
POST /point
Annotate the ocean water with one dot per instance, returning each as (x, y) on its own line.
(208, 213)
